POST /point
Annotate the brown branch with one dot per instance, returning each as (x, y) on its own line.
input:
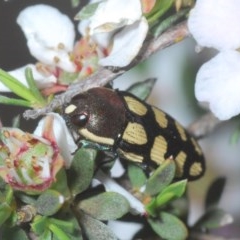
(105, 75)
(204, 125)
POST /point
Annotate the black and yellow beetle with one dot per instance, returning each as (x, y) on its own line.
(118, 121)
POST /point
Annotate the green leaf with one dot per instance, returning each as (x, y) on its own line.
(96, 230)
(61, 184)
(161, 177)
(142, 89)
(5, 212)
(171, 192)
(105, 206)
(214, 193)
(17, 87)
(14, 101)
(159, 9)
(75, 3)
(26, 198)
(49, 202)
(33, 87)
(87, 11)
(136, 175)
(47, 235)
(81, 171)
(58, 232)
(15, 233)
(214, 218)
(169, 227)
(70, 225)
(39, 224)
(158, 29)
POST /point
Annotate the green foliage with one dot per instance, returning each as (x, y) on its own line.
(136, 176)
(14, 233)
(87, 11)
(160, 8)
(81, 171)
(96, 230)
(31, 96)
(142, 89)
(49, 202)
(213, 217)
(113, 206)
(169, 227)
(161, 178)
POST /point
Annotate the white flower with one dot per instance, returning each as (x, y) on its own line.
(111, 16)
(218, 82)
(50, 35)
(62, 135)
(217, 24)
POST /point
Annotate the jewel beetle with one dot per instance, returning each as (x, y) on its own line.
(117, 121)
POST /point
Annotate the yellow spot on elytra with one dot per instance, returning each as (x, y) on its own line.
(196, 146)
(182, 131)
(196, 169)
(180, 160)
(130, 156)
(98, 139)
(158, 150)
(135, 134)
(160, 117)
(69, 109)
(135, 106)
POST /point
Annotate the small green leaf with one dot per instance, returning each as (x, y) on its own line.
(158, 29)
(5, 212)
(69, 225)
(33, 87)
(214, 193)
(14, 233)
(26, 198)
(161, 177)
(75, 3)
(96, 230)
(14, 101)
(105, 206)
(175, 190)
(49, 202)
(159, 9)
(39, 224)
(15, 86)
(87, 11)
(214, 218)
(47, 235)
(136, 175)
(169, 227)
(58, 232)
(142, 89)
(61, 184)
(81, 171)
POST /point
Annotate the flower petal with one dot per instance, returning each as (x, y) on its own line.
(218, 82)
(63, 137)
(126, 44)
(216, 23)
(41, 81)
(50, 35)
(114, 14)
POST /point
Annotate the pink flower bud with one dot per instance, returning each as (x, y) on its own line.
(28, 162)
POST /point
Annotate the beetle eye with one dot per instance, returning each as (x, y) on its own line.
(80, 120)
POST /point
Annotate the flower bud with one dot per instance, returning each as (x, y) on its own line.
(27, 162)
